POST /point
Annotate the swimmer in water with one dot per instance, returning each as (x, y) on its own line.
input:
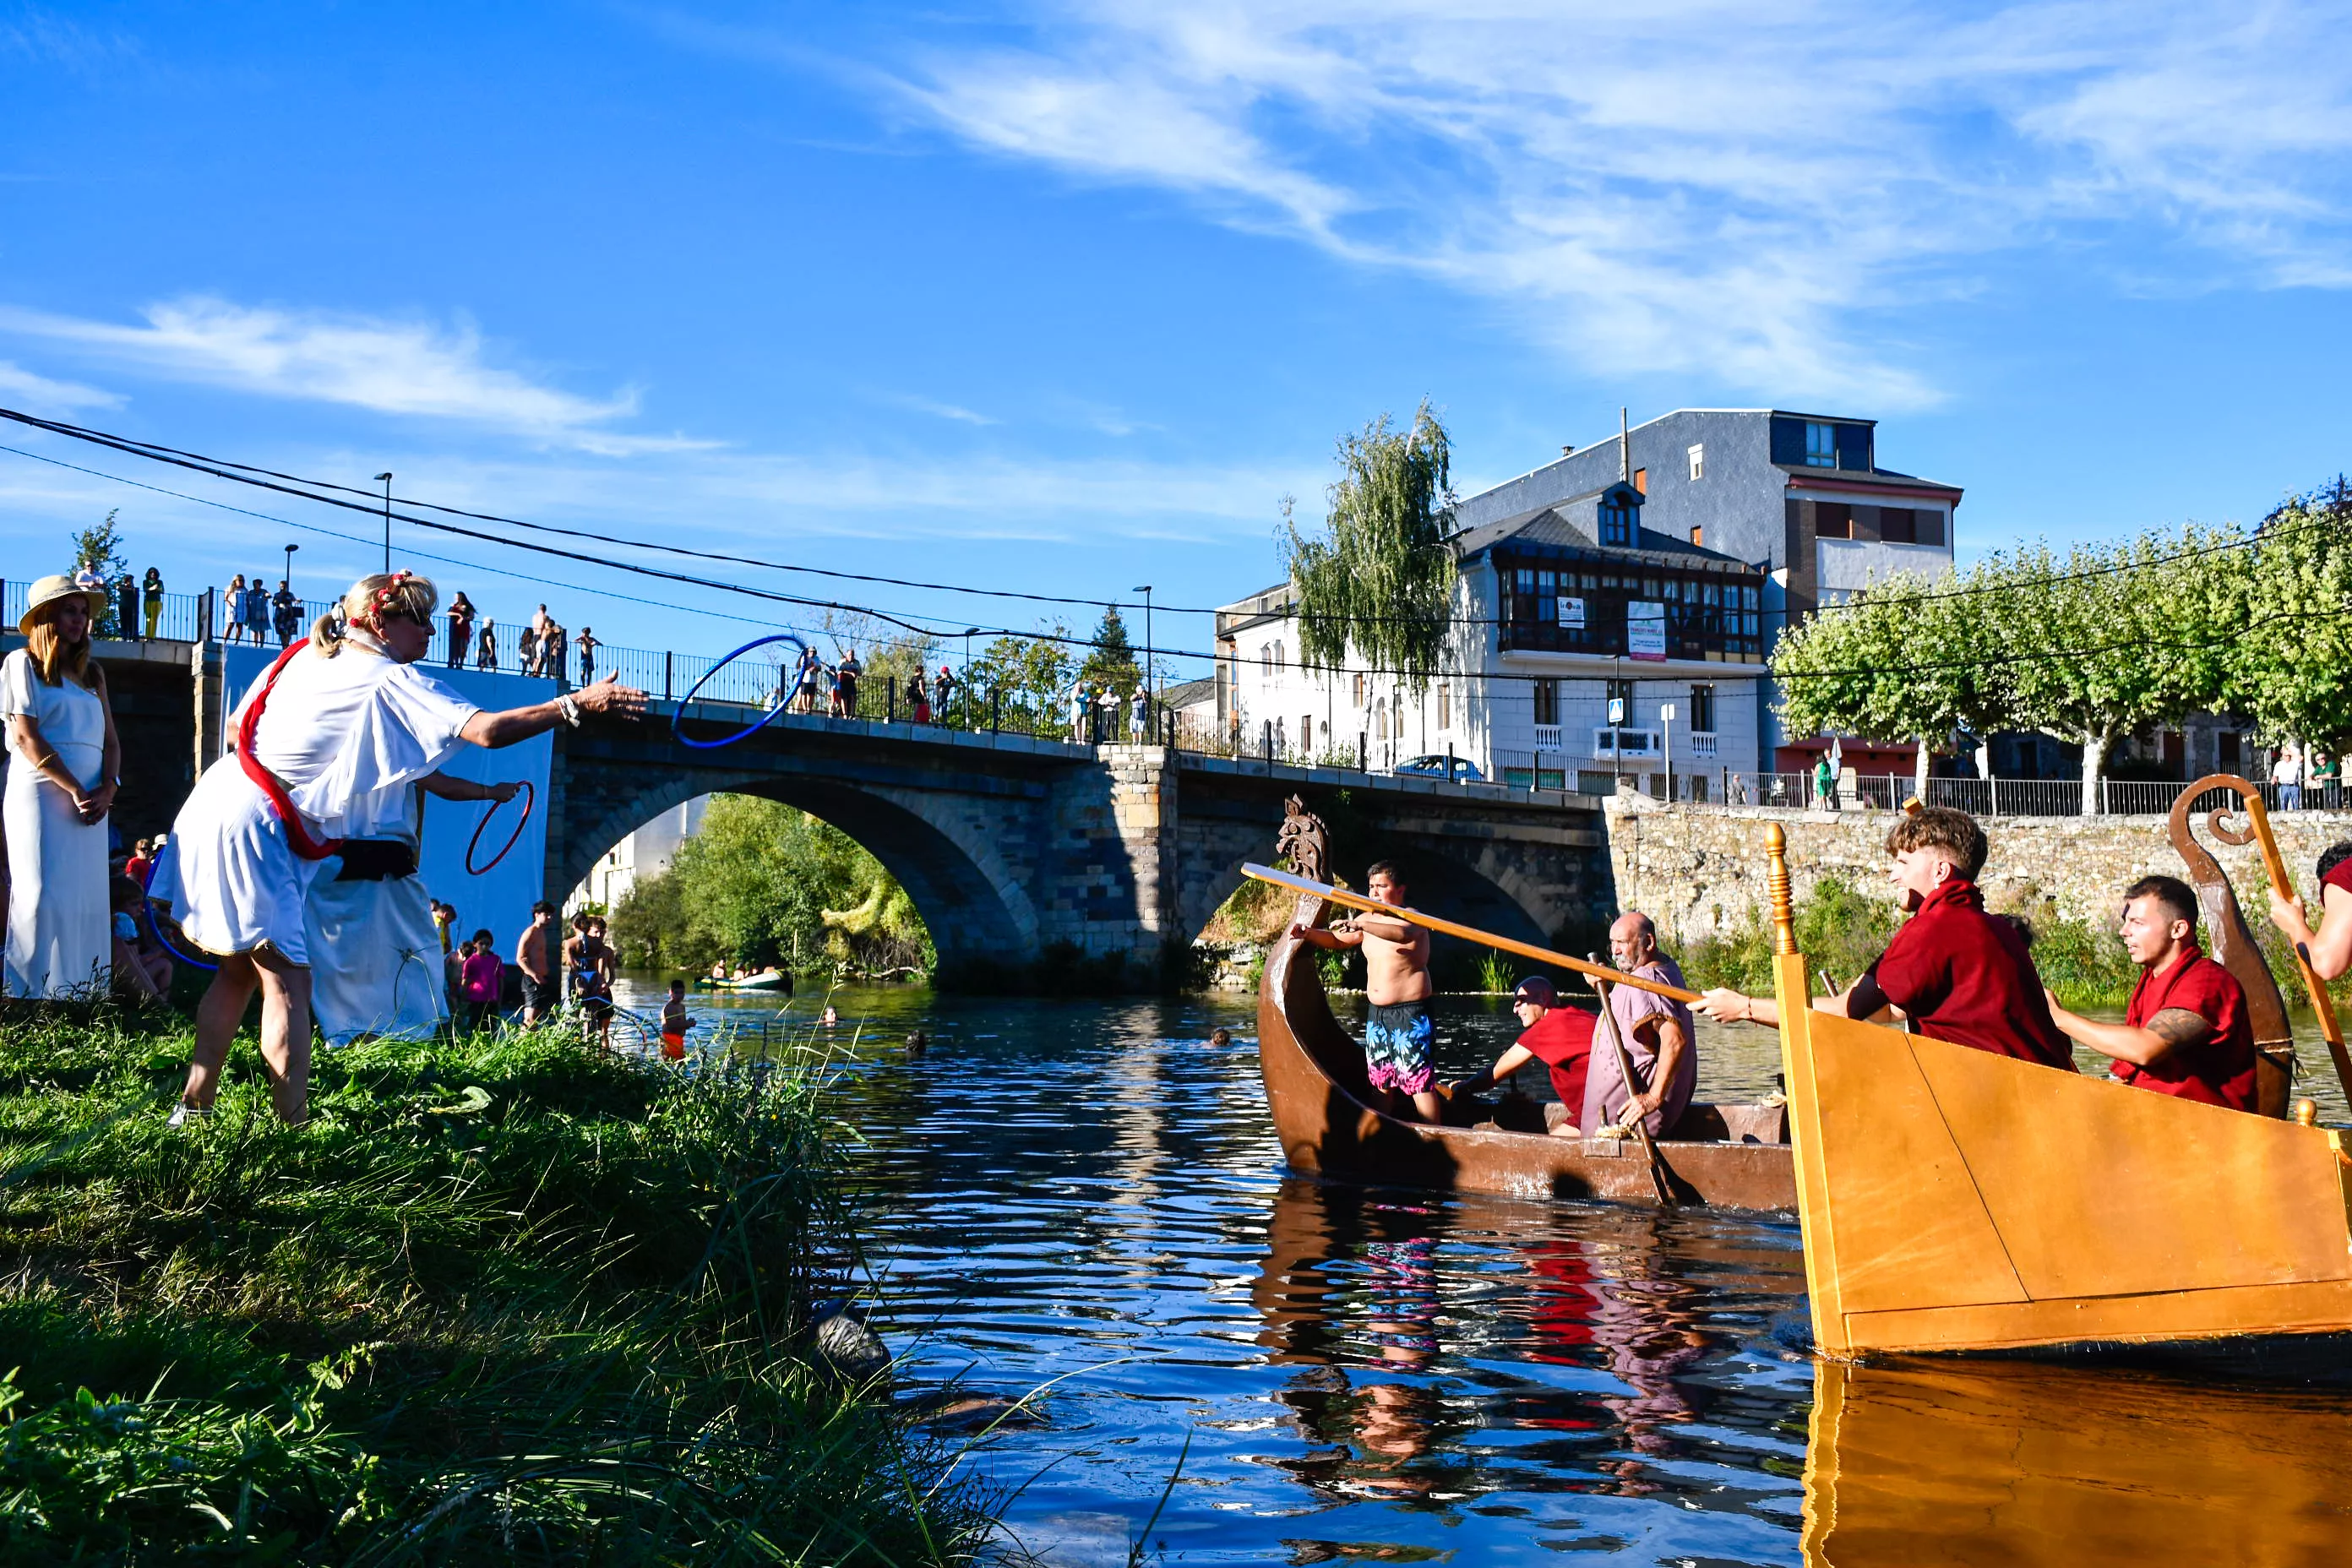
(828, 1018)
(1220, 1037)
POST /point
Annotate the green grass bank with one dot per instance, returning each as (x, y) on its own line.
(501, 1300)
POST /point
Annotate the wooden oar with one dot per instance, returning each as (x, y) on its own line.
(2258, 817)
(1467, 933)
(1639, 1127)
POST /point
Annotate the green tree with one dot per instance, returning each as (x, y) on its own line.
(1896, 663)
(1110, 663)
(2290, 670)
(1380, 578)
(763, 883)
(100, 550)
(1025, 677)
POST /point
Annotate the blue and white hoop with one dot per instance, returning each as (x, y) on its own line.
(784, 697)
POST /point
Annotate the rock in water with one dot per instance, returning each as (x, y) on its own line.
(847, 1347)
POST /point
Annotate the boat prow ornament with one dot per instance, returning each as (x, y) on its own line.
(1305, 844)
(1953, 1200)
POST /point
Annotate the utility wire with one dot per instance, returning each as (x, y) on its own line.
(911, 626)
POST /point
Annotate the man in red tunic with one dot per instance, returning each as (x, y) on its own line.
(1954, 972)
(2186, 1033)
(1558, 1035)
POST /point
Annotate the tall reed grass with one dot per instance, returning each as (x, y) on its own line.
(502, 1299)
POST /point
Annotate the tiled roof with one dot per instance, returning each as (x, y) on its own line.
(1548, 532)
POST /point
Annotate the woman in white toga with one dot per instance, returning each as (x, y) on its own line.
(63, 764)
(345, 727)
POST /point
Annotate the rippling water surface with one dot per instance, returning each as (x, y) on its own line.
(1087, 1199)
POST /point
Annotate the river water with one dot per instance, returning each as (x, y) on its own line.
(1084, 1200)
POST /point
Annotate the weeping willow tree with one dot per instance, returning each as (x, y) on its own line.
(1380, 578)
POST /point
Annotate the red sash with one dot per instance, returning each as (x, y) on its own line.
(269, 784)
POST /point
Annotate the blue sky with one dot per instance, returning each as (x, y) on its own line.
(1066, 297)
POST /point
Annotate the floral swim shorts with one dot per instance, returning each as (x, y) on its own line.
(1397, 1045)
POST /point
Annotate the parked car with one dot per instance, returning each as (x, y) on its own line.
(1434, 767)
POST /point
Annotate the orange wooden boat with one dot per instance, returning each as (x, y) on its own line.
(1954, 1200)
(1322, 1103)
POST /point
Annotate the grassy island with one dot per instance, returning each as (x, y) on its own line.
(502, 1300)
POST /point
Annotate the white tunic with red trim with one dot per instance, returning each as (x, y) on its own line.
(347, 736)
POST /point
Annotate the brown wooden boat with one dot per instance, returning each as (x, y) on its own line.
(1735, 1155)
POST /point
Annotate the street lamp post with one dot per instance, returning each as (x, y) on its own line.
(289, 564)
(1145, 589)
(386, 478)
(969, 633)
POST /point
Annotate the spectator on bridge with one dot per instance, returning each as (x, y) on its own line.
(1082, 708)
(1138, 719)
(460, 616)
(486, 646)
(808, 675)
(918, 698)
(232, 610)
(554, 643)
(2287, 775)
(257, 608)
(588, 645)
(1106, 720)
(126, 607)
(944, 685)
(152, 592)
(286, 613)
(845, 681)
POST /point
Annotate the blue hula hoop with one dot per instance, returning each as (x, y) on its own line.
(791, 685)
(157, 927)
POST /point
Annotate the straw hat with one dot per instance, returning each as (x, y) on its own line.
(48, 590)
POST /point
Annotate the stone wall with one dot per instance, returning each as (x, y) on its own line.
(1696, 871)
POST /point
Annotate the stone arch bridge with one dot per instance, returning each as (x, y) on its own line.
(1012, 846)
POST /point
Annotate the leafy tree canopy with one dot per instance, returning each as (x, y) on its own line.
(1379, 578)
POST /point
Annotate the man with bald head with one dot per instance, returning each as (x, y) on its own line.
(1657, 1035)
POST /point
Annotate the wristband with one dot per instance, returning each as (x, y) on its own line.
(570, 710)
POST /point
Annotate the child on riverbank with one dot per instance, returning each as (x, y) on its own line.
(674, 1023)
(478, 978)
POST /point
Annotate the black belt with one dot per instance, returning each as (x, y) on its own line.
(376, 859)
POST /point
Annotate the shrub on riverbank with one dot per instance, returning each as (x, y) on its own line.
(765, 885)
(502, 1299)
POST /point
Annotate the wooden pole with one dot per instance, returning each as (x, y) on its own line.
(1467, 933)
(1638, 1128)
(2258, 817)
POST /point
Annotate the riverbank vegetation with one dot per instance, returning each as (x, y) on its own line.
(502, 1299)
(766, 885)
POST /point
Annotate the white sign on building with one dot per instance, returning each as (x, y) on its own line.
(1571, 613)
(1645, 629)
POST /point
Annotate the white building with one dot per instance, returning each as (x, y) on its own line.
(644, 853)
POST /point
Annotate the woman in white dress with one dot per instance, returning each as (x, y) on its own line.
(329, 745)
(63, 765)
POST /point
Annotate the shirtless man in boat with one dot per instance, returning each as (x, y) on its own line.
(2186, 1032)
(1400, 1041)
(1954, 972)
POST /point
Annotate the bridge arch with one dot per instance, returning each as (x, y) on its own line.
(945, 854)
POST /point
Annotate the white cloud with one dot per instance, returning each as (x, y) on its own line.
(39, 394)
(412, 368)
(1700, 185)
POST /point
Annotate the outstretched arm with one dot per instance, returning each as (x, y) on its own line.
(2172, 1029)
(2330, 946)
(449, 788)
(1342, 936)
(518, 724)
(1509, 1062)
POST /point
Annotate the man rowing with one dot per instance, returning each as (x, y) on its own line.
(2330, 947)
(2186, 1032)
(1954, 972)
(1558, 1035)
(1399, 1038)
(1657, 1036)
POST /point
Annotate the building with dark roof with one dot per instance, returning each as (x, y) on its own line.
(1615, 610)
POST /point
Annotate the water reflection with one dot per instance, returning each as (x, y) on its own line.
(1091, 1192)
(1987, 1462)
